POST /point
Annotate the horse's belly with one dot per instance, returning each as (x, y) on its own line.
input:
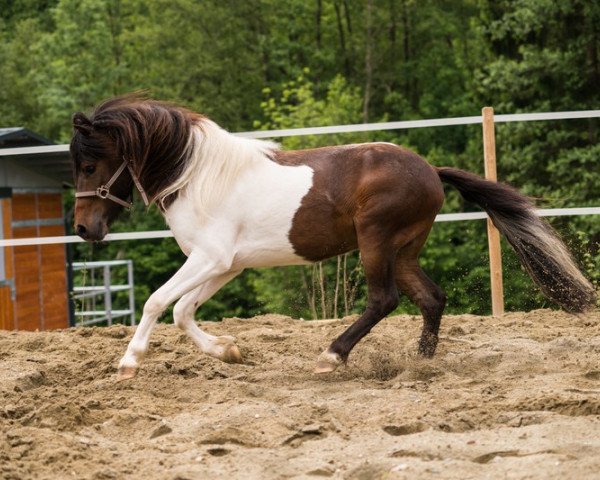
(268, 256)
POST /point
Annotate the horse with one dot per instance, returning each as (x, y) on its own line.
(234, 203)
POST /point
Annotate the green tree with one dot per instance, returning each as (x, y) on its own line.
(243, 64)
(546, 58)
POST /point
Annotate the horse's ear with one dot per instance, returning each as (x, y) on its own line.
(82, 124)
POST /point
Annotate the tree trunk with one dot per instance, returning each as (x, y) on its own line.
(337, 287)
(368, 61)
(323, 292)
(393, 24)
(406, 50)
(347, 15)
(310, 294)
(345, 285)
(113, 10)
(342, 36)
(318, 18)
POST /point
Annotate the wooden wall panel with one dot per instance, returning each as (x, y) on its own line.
(7, 227)
(24, 232)
(50, 205)
(39, 272)
(27, 280)
(54, 280)
(24, 206)
(6, 309)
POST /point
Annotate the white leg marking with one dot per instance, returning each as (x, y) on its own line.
(327, 362)
(218, 347)
(198, 269)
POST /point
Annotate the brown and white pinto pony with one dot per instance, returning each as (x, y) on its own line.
(234, 203)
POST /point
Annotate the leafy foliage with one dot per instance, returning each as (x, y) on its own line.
(269, 64)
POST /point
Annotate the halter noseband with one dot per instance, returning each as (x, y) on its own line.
(103, 191)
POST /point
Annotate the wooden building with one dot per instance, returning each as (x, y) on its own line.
(33, 279)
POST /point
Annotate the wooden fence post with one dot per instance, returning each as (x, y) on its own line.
(489, 153)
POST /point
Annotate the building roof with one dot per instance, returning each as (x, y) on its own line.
(45, 159)
(21, 137)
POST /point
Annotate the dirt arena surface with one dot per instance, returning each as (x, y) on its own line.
(510, 398)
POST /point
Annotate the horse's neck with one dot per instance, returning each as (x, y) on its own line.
(217, 161)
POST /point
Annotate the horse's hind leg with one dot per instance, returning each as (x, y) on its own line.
(378, 264)
(425, 294)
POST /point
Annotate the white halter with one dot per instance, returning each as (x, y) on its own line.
(103, 191)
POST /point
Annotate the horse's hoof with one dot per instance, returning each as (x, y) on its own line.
(428, 345)
(328, 362)
(125, 373)
(230, 353)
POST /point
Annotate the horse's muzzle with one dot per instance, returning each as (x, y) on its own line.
(91, 234)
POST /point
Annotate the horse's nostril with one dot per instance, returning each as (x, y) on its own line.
(81, 230)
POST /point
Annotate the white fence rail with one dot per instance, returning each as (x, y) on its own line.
(153, 234)
(363, 127)
(360, 127)
(408, 124)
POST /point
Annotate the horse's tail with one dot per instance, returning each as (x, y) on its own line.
(538, 246)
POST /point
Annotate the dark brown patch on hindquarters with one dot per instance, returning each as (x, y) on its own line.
(377, 183)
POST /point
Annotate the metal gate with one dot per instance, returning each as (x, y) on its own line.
(94, 296)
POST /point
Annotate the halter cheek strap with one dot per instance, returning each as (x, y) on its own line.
(103, 191)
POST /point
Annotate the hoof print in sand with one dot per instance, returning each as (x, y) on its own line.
(404, 429)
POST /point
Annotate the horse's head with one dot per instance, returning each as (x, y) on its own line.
(101, 188)
(126, 141)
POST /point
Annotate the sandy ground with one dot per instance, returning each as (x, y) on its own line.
(516, 397)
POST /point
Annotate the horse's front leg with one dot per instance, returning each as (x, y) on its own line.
(222, 347)
(198, 268)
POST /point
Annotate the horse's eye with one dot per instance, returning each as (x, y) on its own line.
(89, 169)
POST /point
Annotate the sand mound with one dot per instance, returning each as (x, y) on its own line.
(516, 397)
